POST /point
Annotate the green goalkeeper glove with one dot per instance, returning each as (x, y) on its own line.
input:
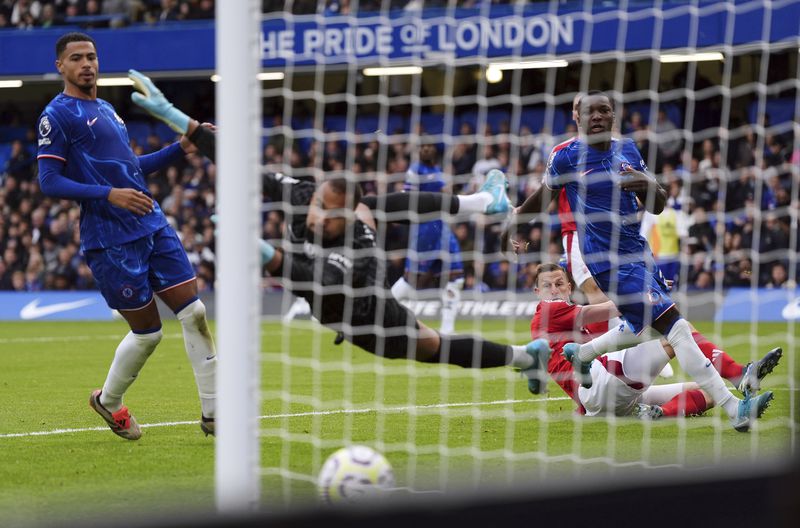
(266, 249)
(152, 100)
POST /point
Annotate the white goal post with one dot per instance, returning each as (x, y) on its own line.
(239, 301)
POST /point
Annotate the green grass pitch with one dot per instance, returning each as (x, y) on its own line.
(486, 424)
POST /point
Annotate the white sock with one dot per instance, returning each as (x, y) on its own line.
(695, 364)
(130, 357)
(451, 298)
(474, 203)
(402, 289)
(520, 359)
(615, 339)
(202, 355)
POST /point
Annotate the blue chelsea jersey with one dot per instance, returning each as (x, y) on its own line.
(421, 177)
(606, 216)
(92, 141)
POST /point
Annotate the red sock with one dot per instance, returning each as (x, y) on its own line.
(723, 363)
(687, 403)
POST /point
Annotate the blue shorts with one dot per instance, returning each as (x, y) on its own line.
(638, 290)
(670, 268)
(426, 239)
(129, 274)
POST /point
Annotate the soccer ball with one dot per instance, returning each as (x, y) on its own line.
(354, 474)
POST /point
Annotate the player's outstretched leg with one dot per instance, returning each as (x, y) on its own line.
(755, 372)
(750, 408)
(540, 351)
(121, 422)
(496, 185)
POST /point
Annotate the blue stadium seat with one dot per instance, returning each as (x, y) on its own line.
(643, 107)
(138, 131)
(335, 123)
(534, 118)
(366, 124)
(432, 123)
(164, 133)
(778, 110)
(10, 133)
(5, 154)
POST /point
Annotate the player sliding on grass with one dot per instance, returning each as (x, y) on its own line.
(134, 254)
(744, 377)
(329, 257)
(605, 180)
(622, 382)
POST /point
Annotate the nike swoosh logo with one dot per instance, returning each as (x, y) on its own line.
(32, 310)
(90, 122)
(582, 174)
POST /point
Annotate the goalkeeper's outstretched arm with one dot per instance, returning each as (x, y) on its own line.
(149, 97)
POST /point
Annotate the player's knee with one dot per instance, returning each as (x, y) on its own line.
(150, 339)
(193, 315)
(664, 324)
(428, 345)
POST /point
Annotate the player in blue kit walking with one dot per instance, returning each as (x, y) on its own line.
(425, 265)
(85, 155)
(603, 177)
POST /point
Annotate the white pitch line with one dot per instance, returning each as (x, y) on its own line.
(293, 415)
(53, 339)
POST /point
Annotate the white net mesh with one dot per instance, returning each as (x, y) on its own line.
(720, 135)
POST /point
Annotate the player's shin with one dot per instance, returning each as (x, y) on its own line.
(474, 352)
(727, 367)
(698, 367)
(617, 338)
(202, 355)
(129, 358)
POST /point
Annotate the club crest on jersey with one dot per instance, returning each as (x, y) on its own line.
(654, 297)
(44, 126)
(126, 291)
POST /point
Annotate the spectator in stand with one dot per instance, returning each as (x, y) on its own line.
(25, 9)
(20, 163)
(48, 17)
(779, 277)
(487, 162)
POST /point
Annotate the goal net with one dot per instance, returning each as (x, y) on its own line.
(393, 95)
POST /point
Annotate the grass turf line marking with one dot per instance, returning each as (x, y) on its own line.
(291, 415)
(52, 339)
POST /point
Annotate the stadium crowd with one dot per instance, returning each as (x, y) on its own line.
(728, 220)
(95, 14)
(732, 216)
(92, 14)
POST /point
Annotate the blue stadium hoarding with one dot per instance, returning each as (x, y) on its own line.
(501, 31)
(738, 305)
